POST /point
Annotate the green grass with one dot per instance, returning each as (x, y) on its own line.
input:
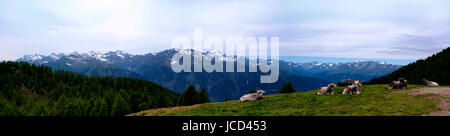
(376, 100)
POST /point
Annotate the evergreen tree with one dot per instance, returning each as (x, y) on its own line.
(74, 108)
(59, 106)
(161, 101)
(287, 88)
(204, 98)
(120, 107)
(10, 110)
(190, 96)
(89, 106)
(17, 97)
(40, 109)
(101, 108)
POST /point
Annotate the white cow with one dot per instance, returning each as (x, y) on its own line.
(430, 83)
(253, 96)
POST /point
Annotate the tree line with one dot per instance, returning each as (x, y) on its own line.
(36, 90)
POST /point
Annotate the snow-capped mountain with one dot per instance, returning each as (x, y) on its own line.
(40, 59)
(109, 57)
(360, 70)
(308, 69)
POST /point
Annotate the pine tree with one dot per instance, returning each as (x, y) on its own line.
(59, 106)
(40, 109)
(74, 108)
(17, 97)
(89, 106)
(120, 107)
(190, 96)
(10, 110)
(204, 98)
(99, 108)
(161, 101)
(287, 88)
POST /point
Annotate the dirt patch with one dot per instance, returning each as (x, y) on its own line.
(442, 104)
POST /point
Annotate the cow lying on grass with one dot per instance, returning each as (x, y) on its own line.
(355, 88)
(253, 96)
(430, 83)
(400, 84)
(327, 90)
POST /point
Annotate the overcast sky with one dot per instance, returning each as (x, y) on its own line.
(394, 29)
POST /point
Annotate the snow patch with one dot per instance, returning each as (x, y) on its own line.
(120, 55)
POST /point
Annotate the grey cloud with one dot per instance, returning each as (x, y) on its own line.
(419, 44)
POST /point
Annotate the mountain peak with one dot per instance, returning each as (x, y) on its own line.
(118, 52)
(34, 56)
(75, 53)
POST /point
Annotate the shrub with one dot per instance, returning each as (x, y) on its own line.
(287, 88)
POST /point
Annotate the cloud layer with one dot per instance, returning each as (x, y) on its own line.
(396, 29)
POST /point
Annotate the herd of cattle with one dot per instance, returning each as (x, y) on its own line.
(354, 88)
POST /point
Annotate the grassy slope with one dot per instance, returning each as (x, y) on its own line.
(376, 100)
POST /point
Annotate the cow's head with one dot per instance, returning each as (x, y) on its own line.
(260, 92)
(332, 85)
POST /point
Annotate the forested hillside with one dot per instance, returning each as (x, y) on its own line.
(434, 68)
(31, 90)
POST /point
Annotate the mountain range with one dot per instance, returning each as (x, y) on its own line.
(219, 85)
(334, 72)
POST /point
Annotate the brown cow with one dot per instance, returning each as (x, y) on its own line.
(401, 83)
(327, 90)
(355, 88)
